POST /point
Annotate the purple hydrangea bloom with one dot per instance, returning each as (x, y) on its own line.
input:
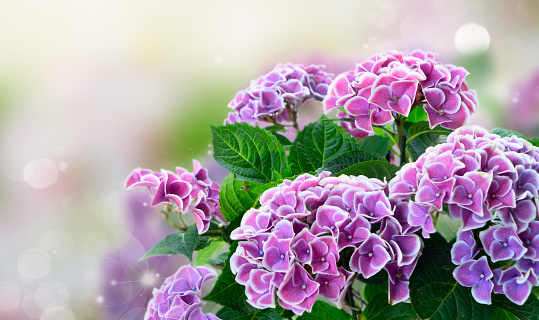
(530, 240)
(370, 257)
(470, 191)
(298, 291)
(277, 96)
(464, 248)
(393, 83)
(178, 297)
(502, 243)
(476, 274)
(517, 286)
(399, 280)
(260, 291)
(185, 191)
(420, 215)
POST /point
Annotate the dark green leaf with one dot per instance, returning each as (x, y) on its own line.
(435, 294)
(377, 279)
(159, 249)
(184, 242)
(227, 292)
(376, 144)
(507, 133)
(421, 128)
(276, 128)
(534, 141)
(265, 314)
(204, 255)
(379, 309)
(372, 169)
(282, 139)
(251, 153)
(417, 115)
(349, 159)
(221, 258)
(236, 197)
(507, 310)
(317, 144)
(324, 311)
(419, 144)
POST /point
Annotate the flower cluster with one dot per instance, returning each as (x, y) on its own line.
(491, 184)
(277, 96)
(394, 83)
(178, 297)
(299, 242)
(191, 192)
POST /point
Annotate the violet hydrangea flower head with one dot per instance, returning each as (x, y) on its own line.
(476, 274)
(277, 96)
(294, 255)
(394, 83)
(178, 298)
(182, 191)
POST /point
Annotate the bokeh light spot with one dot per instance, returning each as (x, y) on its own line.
(40, 173)
(472, 39)
(33, 264)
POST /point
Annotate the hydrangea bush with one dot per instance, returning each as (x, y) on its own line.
(352, 220)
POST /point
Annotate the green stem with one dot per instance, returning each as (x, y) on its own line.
(351, 302)
(402, 138)
(226, 236)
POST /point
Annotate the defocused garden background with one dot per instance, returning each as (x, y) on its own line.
(90, 90)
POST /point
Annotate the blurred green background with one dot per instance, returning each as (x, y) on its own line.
(90, 90)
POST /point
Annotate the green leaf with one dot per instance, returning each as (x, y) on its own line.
(221, 258)
(417, 115)
(282, 139)
(324, 311)
(265, 314)
(507, 310)
(379, 309)
(376, 144)
(507, 133)
(209, 252)
(420, 128)
(236, 197)
(534, 141)
(447, 226)
(349, 159)
(160, 249)
(317, 144)
(251, 153)
(227, 292)
(435, 294)
(377, 279)
(372, 169)
(276, 128)
(184, 242)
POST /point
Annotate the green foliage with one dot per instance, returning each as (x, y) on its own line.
(373, 169)
(227, 292)
(265, 314)
(180, 242)
(534, 141)
(349, 159)
(417, 115)
(251, 153)
(324, 311)
(237, 196)
(318, 144)
(204, 255)
(420, 137)
(221, 258)
(507, 133)
(375, 144)
(506, 310)
(379, 309)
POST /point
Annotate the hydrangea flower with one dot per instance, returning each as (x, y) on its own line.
(277, 96)
(178, 297)
(394, 83)
(476, 274)
(289, 249)
(482, 178)
(186, 192)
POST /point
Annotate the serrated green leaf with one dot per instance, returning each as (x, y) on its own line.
(183, 242)
(160, 249)
(372, 169)
(209, 252)
(265, 314)
(221, 258)
(534, 141)
(379, 309)
(507, 133)
(349, 159)
(435, 294)
(227, 292)
(317, 144)
(251, 153)
(324, 311)
(421, 128)
(417, 115)
(507, 310)
(376, 144)
(236, 197)
(282, 139)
